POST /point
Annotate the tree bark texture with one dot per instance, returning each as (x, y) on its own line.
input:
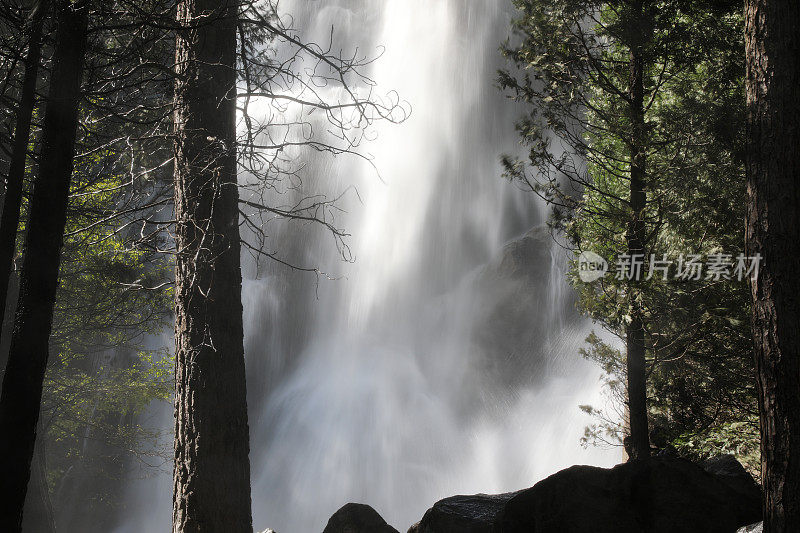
(212, 469)
(772, 41)
(638, 446)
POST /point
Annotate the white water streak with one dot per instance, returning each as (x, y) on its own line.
(382, 398)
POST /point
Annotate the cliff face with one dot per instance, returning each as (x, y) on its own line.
(525, 310)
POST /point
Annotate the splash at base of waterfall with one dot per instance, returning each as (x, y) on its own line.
(444, 360)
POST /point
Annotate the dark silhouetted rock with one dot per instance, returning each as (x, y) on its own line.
(753, 528)
(357, 518)
(659, 495)
(463, 514)
(732, 473)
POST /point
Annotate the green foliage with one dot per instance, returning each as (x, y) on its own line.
(107, 361)
(572, 62)
(114, 297)
(606, 429)
(737, 438)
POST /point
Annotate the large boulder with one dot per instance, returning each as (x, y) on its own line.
(357, 518)
(731, 472)
(463, 514)
(659, 495)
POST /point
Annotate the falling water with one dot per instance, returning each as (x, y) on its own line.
(444, 359)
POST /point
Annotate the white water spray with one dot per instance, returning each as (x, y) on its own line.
(441, 361)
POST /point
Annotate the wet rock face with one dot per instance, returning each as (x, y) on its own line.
(463, 514)
(357, 518)
(659, 495)
(510, 332)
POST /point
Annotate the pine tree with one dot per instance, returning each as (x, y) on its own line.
(212, 468)
(632, 134)
(22, 383)
(773, 231)
(22, 130)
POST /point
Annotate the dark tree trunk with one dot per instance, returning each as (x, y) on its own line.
(38, 516)
(212, 468)
(773, 230)
(22, 383)
(19, 150)
(638, 445)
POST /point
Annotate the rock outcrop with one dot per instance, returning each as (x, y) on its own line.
(659, 495)
(463, 514)
(357, 518)
(511, 335)
(731, 472)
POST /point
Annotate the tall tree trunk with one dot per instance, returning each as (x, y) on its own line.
(212, 468)
(19, 151)
(638, 445)
(38, 516)
(22, 384)
(772, 41)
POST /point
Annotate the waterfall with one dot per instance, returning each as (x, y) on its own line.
(444, 359)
